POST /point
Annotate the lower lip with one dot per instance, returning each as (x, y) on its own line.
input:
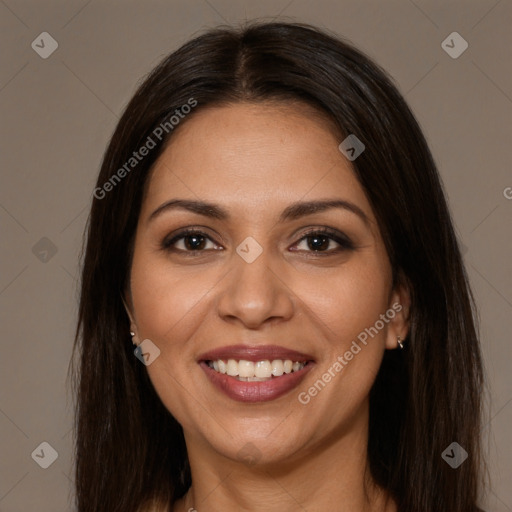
(259, 391)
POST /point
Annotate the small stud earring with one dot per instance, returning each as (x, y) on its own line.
(132, 334)
(400, 344)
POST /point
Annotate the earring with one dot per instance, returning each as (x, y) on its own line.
(132, 334)
(400, 344)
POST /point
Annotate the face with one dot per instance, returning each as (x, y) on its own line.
(257, 270)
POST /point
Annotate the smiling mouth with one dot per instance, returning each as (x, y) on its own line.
(259, 371)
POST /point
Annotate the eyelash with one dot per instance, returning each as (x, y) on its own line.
(344, 242)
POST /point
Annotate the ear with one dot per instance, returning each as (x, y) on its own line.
(129, 312)
(398, 312)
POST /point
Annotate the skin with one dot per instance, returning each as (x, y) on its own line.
(255, 160)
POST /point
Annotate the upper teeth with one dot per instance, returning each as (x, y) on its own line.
(261, 369)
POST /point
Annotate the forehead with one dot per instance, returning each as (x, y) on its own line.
(251, 155)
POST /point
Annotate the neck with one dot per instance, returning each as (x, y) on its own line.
(329, 475)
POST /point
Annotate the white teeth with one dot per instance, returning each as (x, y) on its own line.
(277, 367)
(222, 366)
(246, 369)
(262, 370)
(232, 368)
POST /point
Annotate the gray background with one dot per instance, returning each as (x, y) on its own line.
(58, 113)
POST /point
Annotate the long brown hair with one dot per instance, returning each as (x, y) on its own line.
(129, 448)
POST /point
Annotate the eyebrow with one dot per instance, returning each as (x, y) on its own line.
(291, 212)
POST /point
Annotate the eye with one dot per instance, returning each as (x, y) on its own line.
(189, 240)
(318, 241)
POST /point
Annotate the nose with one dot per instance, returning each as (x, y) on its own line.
(254, 294)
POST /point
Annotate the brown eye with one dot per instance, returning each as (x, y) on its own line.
(194, 242)
(189, 241)
(320, 240)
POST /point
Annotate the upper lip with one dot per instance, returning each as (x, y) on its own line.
(254, 353)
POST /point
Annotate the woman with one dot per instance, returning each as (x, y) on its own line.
(270, 229)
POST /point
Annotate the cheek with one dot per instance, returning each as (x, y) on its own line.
(349, 299)
(346, 307)
(170, 306)
(168, 302)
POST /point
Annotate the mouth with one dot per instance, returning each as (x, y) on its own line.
(259, 371)
(255, 374)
